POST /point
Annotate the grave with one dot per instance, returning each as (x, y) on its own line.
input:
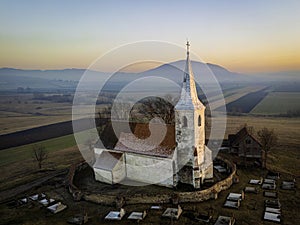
(173, 212)
(274, 217)
(225, 220)
(115, 215)
(251, 190)
(254, 181)
(137, 215)
(273, 203)
(273, 175)
(232, 204)
(56, 208)
(270, 194)
(288, 185)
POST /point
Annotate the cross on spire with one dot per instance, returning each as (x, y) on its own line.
(187, 47)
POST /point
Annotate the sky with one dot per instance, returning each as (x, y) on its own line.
(242, 36)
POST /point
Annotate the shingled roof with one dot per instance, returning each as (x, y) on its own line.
(236, 138)
(127, 142)
(107, 160)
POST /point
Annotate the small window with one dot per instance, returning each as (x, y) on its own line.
(248, 141)
(199, 121)
(195, 152)
(184, 121)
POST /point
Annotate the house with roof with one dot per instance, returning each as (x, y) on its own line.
(181, 156)
(245, 145)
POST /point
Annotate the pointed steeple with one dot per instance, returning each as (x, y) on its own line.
(188, 97)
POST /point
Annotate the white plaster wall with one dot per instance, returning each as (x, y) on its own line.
(149, 169)
(209, 172)
(207, 167)
(98, 151)
(119, 171)
(103, 175)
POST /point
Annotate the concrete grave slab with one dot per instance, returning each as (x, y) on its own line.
(173, 212)
(137, 215)
(274, 217)
(225, 220)
(232, 204)
(270, 194)
(115, 215)
(56, 208)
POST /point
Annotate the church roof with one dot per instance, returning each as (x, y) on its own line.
(127, 142)
(107, 160)
(188, 98)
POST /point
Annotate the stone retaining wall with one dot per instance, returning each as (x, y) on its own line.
(211, 192)
(176, 197)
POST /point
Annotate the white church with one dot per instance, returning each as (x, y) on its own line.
(187, 161)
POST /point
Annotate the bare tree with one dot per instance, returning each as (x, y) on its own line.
(268, 139)
(39, 154)
(158, 107)
(120, 110)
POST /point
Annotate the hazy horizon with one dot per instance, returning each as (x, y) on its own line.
(141, 70)
(245, 37)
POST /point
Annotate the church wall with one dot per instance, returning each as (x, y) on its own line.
(98, 151)
(149, 169)
(209, 172)
(103, 176)
(208, 164)
(119, 171)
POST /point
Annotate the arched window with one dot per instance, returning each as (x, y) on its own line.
(199, 120)
(184, 119)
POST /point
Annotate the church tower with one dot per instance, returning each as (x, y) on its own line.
(190, 130)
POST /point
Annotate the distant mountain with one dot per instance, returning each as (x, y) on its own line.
(67, 79)
(65, 74)
(11, 78)
(203, 72)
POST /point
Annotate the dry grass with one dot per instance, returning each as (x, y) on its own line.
(26, 170)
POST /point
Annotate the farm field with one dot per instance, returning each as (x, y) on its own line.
(276, 103)
(232, 96)
(12, 155)
(21, 111)
(289, 86)
(246, 103)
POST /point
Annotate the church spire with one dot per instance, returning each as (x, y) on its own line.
(189, 95)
